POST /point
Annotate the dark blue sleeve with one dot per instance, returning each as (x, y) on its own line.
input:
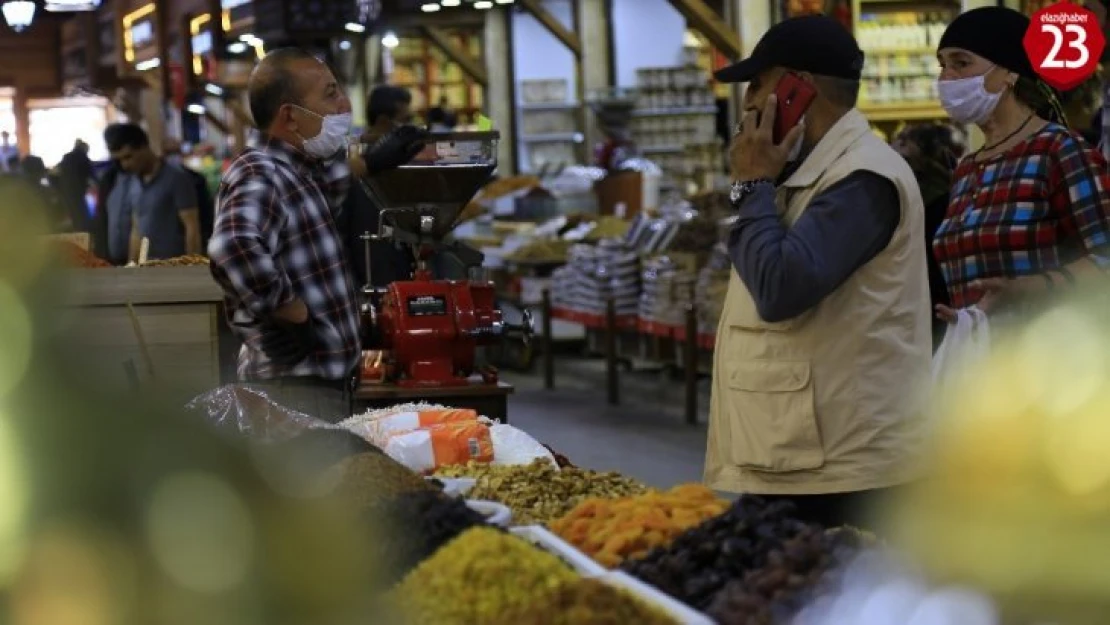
(789, 270)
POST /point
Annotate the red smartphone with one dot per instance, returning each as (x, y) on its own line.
(794, 97)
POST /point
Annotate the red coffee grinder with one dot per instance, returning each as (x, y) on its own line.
(426, 332)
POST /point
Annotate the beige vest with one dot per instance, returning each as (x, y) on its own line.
(829, 401)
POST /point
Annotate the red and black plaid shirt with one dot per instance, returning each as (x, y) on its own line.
(275, 240)
(1042, 205)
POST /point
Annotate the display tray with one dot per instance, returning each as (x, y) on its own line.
(677, 610)
(549, 542)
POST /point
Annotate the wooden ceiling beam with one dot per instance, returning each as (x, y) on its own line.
(568, 37)
(709, 23)
(473, 67)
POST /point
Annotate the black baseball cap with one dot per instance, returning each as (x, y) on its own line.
(817, 44)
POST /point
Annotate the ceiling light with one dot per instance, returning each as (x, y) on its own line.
(18, 14)
(237, 48)
(214, 89)
(196, 109)
(142, 66)
(355, 27)
(390, 40)
(249, 39)
(58, 6)
(503, 1)
(483, 4)
(450, 3)
(344, 45)
(429, 7)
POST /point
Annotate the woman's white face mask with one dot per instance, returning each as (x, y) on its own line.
(966, 100)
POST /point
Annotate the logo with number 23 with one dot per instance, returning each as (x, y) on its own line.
(1064, 42)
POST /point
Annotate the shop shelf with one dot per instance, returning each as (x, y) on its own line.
(678, 110)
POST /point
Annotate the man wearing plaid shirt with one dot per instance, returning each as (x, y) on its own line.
(275, 247)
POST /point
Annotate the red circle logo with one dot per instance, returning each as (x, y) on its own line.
(1064, 42)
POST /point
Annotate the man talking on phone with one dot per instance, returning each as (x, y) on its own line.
(825, 335)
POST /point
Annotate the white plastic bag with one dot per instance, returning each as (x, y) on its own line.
(965, 344)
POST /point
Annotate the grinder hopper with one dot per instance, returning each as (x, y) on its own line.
(421, 201)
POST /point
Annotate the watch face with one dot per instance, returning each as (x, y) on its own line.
(736, 192)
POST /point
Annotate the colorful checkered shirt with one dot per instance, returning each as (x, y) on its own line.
(275, 240)
(1042, 205)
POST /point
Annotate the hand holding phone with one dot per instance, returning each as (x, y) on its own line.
(794, 98)
(761, 152)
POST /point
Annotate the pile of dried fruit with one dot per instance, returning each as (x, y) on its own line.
(479, 577)
(189, 260)
(788, 580)
(700, 563)
(539, 492)
(588, 601)
(612, 530)
(417, 525)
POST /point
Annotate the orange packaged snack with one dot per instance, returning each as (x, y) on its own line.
(441, 445)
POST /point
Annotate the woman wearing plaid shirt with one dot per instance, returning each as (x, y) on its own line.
(1029, 212)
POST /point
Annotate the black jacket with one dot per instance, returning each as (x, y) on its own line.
(389, 263)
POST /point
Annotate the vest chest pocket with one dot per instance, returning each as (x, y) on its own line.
(771, 416)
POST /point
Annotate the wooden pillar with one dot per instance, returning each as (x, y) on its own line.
(499, 91)
(22, 120)
(594, 32)
(162, 34)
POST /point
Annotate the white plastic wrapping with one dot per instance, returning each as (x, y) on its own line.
(248, 411)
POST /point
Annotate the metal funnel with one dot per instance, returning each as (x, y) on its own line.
(426, 196)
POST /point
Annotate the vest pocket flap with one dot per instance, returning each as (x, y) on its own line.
(765, 376)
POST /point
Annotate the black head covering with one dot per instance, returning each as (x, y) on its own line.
(812, 43)
(994, 33)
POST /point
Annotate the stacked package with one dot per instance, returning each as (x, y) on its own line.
(668, 291)
(712, 286)
(595, 274)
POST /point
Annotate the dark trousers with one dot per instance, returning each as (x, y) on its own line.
(857, 509)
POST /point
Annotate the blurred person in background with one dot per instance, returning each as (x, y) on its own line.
(1029, 213)
(158, 201)
(9, 154)
(825, 331)
(441, 117)
(205, 206)
(932, 151)
(105, 185)
(75, 172)
(277, 250)
(387, 107)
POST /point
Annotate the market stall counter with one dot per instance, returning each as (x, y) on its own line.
(134, 324)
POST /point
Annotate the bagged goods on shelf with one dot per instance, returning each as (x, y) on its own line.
(478, 577)
(668, 290)
(442, 445)
(588, 601)
(732, 547)
(539, 492)
(550, 251)
(712, 288)
(595, 274)
(612, 530)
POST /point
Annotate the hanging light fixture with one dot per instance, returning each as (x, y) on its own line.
(18, 14)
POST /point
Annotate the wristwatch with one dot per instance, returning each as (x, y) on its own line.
(743, 188)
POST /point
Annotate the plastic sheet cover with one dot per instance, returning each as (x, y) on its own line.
(248, 411)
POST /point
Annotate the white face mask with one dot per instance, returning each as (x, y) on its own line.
(332, 136)
(966, 100)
